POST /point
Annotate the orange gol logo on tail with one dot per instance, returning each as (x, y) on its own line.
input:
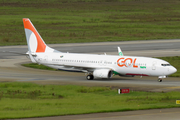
(122, 62)
(41, 45)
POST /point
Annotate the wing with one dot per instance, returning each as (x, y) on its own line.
(76, 68)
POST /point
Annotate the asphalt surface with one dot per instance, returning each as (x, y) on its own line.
(139, 48)
(11, 70)
(154, 114)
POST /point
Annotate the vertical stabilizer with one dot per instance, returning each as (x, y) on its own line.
(34, 41)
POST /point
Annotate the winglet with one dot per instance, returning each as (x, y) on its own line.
(120, 52)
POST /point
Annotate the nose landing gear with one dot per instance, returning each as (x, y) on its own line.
(159, 80)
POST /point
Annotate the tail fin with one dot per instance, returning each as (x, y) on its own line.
(34, 41)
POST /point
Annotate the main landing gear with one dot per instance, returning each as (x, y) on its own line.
(89, 77)
(159, 80)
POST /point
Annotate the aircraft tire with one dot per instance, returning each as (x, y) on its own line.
(89, 77)
(160, 80)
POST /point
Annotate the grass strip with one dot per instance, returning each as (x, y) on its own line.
(37, 66)
(71, 21)
(174, 61)
(22, 100)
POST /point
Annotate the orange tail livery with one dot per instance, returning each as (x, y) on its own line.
(35, 42)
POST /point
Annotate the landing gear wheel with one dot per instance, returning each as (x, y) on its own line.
(89, 77)
(160, 80)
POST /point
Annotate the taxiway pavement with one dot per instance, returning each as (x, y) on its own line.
(153, 114)
(11, 70)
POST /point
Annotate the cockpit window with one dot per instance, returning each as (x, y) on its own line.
(165, 64)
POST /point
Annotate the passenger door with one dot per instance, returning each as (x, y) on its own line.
(154, 65)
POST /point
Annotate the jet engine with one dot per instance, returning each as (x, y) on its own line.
(102, 73)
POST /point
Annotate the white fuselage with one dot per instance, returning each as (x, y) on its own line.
(121, 65)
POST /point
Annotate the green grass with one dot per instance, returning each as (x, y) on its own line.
(37, 66)
(70, 21)
(174, 61)
(20, 100)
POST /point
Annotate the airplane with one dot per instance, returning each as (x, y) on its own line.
(94, 65)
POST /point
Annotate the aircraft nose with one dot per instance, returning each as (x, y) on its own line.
(173, 70)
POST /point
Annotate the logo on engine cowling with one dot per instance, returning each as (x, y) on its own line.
(127, 62)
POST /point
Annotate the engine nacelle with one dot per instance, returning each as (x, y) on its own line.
(102, 73)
